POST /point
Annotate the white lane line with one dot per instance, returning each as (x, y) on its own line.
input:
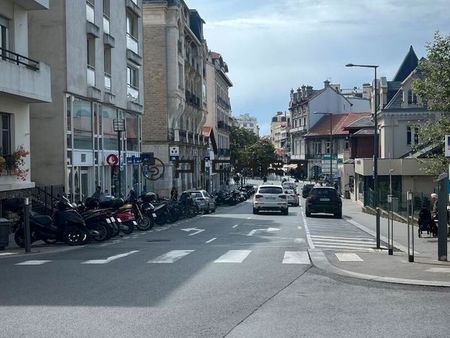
(344, 247)
(7, 253)
(348, 257)
(235, 226)
(33, 262)
(233, 256)
(109, 259)
(211, 240)
(326, 240)
(383, 238)
(296, 257)
(170, 257)
(299, 227)
(444, 270)
(308, 235)
(346, 238)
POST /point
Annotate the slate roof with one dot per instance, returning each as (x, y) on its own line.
(363, 122)
(409, 63)
(339, 124)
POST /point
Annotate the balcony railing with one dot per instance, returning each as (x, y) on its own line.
(91, 76)
(18, 59)
(223, 125)
(192, 99)
(132, 44)
(90, 13)
(132, 92)
(107, 81)
(106, 24)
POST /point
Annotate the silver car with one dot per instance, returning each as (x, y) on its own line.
(204, 200)
(270, 197)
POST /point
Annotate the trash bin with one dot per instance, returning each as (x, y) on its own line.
(5, 225)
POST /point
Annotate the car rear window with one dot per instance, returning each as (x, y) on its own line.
(270, 190)
(324, 192)
(196, 195)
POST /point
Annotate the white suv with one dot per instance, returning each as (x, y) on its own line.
(270, 197)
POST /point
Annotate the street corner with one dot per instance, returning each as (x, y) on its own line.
(381, 267)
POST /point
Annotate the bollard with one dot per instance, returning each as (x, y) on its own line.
(410, 223)
(26, 225)
(390, 226)
(442, 216)
(377, 218)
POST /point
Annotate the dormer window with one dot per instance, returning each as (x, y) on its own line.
(412, 98)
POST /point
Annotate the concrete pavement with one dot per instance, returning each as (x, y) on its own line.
(377, 265)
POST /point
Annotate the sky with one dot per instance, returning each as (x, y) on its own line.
(271, 46)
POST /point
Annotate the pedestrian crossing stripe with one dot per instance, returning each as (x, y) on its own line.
(171, 256)
(348, 257)
(233, 256)
(34, 262)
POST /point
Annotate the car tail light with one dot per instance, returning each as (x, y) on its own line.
(258, 196)
(283, 197)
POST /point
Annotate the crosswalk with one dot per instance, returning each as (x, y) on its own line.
(173, 256)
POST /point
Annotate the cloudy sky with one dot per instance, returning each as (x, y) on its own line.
(272, 46)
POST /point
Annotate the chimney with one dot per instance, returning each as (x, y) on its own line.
(326, 84)
(304, 92)
(309, 91)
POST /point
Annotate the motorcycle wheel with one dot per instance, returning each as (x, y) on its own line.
(161, 219)
(144, 223)
(19, 238)
(115, 229)
(102, 232)
(127, 228)
(50, 240)
(75, 236)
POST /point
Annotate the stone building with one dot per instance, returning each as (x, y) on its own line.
(279, 134)
(24, 80)
(175, 92)
(95, 51)
(248, 122)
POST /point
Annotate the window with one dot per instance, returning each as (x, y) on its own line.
(3, 36)
(132, 82)
(327, 147)
(106, 8)
(132, 132)
(107, 64)
(180, 76)
(91, 53)
(412, 98)
(109, 135)
(132, 27)
(82, 124)
(412, 135)
(317, 148)
(5, 127)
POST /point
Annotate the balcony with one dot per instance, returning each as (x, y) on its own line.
(222, 125)
(24, 77)
(300, 129)
(106, 24)
(132, 93)
(30, 5)
(132, 5)
(90, 76)
(92, 29)
(224, 103)
(133, 50)
(192, 99)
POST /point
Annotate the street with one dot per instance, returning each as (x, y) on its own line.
(228, 274)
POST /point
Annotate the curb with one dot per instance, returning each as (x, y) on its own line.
(38, 251)
(320, 261)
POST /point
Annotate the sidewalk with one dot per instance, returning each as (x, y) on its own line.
(379, 266)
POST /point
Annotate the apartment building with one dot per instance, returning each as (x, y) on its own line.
(95, 50)
(175, 93)
(248, 122)
(279, 133)
(219, 112)
(24, 80)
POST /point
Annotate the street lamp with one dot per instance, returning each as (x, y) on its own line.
(375, 149)
(119, 127)
(331, 142)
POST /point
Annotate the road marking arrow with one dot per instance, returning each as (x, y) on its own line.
(251, 233)
(196, 231)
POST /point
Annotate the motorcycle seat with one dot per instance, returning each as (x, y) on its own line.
(43, 220)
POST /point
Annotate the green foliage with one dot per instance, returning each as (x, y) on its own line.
(433, 87)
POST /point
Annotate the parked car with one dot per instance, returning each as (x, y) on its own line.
(270, 197)
(324, 200)
(306, 189)
(289, 185)
(203, 199)
(292, 197)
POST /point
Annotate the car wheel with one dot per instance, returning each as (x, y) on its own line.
(338, 214)
(285, 212)
(255, 211)
(308, 214)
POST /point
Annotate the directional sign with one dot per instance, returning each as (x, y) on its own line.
(196, 231)
(251, 233)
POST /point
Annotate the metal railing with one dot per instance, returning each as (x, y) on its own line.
(90, 73)
(132, 92)
(132, 44)
(18, 59)
(45, 198)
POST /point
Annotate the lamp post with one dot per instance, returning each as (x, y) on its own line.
(375, 149)
(119, 127)
(331, 142)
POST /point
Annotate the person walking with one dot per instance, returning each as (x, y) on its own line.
(174, 194)
(98, 194)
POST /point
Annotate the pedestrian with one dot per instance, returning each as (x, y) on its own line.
(434, 204)
(174, 194)
(98, 194)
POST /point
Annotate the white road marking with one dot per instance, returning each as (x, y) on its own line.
(33, 262)
(330, 241)
(211, 240)
(196, 231)
(7, 253)
(233, 256)
(344, 247)
(296, 257)
(348, 257)
(345, 238)
(109, 259)
(308, 235)
(299, 227)
(251, 233)
(444, 270)
(235, 226)
(171, 256)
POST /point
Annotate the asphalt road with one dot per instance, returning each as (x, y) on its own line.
(231, 274)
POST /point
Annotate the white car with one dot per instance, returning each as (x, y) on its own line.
(289, 185)
(270, 197)
(292, 197)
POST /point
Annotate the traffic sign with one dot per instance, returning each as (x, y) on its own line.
(174, 151)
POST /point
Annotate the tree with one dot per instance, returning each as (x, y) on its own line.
(433, 88)
(261, 155)
(240, 140)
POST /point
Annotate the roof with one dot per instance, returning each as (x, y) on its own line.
(409, 63)
(209, 132)
(339, 123)
(363, 122)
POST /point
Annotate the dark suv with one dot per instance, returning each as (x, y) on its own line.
(306, 189)
(324, 200)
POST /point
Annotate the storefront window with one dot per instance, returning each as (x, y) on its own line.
(109, 135)
(82, 124)
(132, 132)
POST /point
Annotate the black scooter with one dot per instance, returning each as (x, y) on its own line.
(66, 226)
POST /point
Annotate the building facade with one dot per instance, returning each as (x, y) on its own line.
(175, 93)
(279, 134)
(219, 114)
(24, 80)
(97, 79)
(248, 122)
